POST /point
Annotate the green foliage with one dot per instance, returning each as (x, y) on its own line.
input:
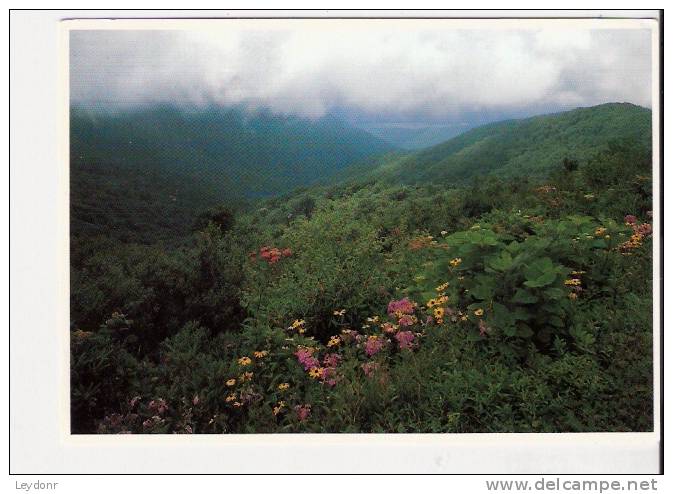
(504, 304)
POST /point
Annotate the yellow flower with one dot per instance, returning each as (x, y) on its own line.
(246, 376)
(298, 324)
(572, 296)
(283, 386)
(600, 231)
(373, 320)
(463, 318)
(279, 407)
(333, 341)
(243, 361)
(315, 372)
(261, 354)
(231, 382)
(339, 312)
(572, 282)
(479, 312)
(230, 398)
(431, 303)
(455, 262)
(439, 312)
(442, 287)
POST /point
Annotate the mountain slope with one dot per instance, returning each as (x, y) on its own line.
(530, 146)
(165, 164)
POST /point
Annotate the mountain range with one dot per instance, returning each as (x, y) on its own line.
(143, 173)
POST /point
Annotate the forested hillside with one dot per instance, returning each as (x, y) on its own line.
(499, 282)
(529, 146)
(140, 174)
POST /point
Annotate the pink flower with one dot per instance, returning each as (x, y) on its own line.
(331, 360)
(400, 307)
(629, 219)
(388, 328)
(303, 412)
(306, 358)
(373, 345)
(645, 229)
(407, 320)
(405, 339)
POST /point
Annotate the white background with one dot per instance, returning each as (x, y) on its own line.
(39, 444)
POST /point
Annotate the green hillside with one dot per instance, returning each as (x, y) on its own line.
(395, 298)
(157, 167)
(530, 146)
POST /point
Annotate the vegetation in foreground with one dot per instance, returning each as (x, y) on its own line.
(504, 305)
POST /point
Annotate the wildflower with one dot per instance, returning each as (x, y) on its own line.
(303, 412)
(630, 219)
(283, 386)
(405, 339)
(644, 229)
(401, 307)
(277, 409)
(231, 382)
(455, 262)
(600, 231)
(243, 361)
(439, 312)
(373, 320)
(331, 360)
(373, 345)
(572, 296)
(407, 320)
(479, 312)
(298, 323)
(443, 232)
(334, 341)
(315, 372)
(230, 398)
(339, 312)
(573, 282)
(246, 376)
(261, 354)
(305, 357)
(389, 328)
(431, 303)
(287, 252)
(442, 287)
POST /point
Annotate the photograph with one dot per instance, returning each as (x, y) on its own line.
(362, 225)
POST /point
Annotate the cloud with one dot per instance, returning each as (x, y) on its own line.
(369, 67)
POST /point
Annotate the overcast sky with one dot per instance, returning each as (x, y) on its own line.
(374, 70)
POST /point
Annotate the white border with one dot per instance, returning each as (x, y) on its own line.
(308, 453)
